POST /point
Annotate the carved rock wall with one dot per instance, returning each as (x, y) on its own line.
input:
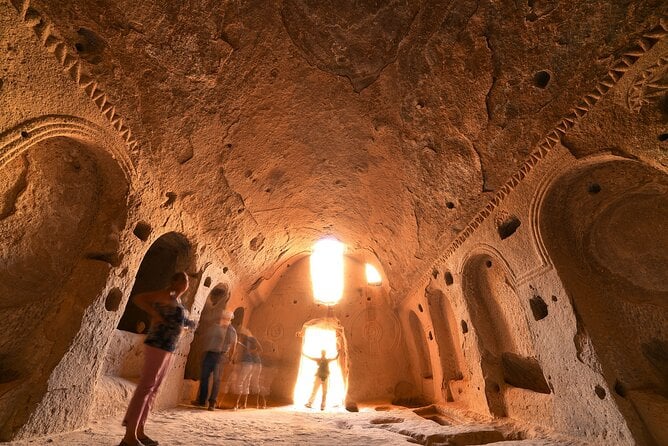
(376, 350)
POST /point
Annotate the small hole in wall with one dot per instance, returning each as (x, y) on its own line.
(420, 308)
(225, 270)
(600, 391)
(25, 134)
(142, 231)
(508, 227)
(620, 389)
(207, 282)
(171, 198)
(594, 188)
(431, 336)
(90, 46)
(294, 301)
(663, 137)
(538, 307)
(465, 327)
(448, 278)
(541, 79)
(368, 299)
(449, 205)
(113, 300)
(488, 263)
(554, 298)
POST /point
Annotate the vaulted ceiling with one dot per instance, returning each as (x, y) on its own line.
(385, 124)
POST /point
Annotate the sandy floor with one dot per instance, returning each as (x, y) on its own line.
(276, 426)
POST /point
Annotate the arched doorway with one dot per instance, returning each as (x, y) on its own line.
(604, 227)
(169, 254)
(238, 320)
(317, 335)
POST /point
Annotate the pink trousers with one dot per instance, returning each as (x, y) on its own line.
(156, 364)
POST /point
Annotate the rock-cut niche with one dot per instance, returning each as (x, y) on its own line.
(169, 254)
(62, 205)
(447, 338)
(421, 349)
(609, 245)
(507, 353)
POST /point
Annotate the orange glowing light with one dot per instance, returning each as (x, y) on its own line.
(317, 339)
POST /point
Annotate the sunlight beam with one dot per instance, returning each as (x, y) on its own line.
(327, 271)
(315, 340)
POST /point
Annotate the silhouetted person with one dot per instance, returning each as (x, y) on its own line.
(168, 317)
(220, 343)
(251, 367)
(321, 377)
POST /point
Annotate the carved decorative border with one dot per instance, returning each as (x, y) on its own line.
(17, 140)
(621, 66)
(74, 67)
(638, 96)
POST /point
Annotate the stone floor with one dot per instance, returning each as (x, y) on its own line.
(289, 426)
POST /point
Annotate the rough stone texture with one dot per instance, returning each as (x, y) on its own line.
(484, 155)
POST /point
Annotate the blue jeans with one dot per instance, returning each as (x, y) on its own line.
(212, 364)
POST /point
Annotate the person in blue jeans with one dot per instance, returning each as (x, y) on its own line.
(221, 340)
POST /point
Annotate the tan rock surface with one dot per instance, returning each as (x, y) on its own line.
(503, 164)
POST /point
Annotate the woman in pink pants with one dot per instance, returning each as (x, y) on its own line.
(168, 317)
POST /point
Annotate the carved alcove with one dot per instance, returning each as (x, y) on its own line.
(603, 224)
(507, 353)
(63, 205)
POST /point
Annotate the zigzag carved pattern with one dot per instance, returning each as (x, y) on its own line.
(74, 67)
(649, 85)
(621, 66)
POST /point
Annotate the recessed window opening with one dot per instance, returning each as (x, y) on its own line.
(327, 271)
(314, 341)
(372, 275)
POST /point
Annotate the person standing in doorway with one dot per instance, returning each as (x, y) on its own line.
(321, 377)
(220, 341)
(168, 318)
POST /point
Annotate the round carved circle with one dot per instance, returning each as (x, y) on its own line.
(275, 330)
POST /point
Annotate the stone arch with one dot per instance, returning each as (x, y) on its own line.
(447, 337)
(170, 253)
(502, 332)
(22, 137)
(425, 372)
(239, 314)
(333, 324)
(62, 207)
(603, 224)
